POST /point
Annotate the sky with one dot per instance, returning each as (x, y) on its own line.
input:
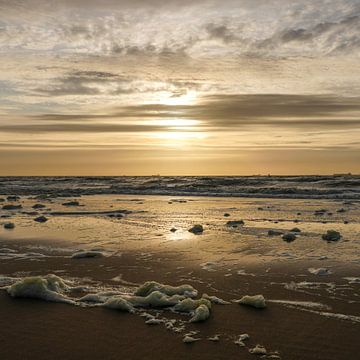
(179, 87)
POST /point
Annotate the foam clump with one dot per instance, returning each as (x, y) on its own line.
(201, 313)
(209, 266)
(258, 350)
(100, 297)
(151, 286)
(214, 338)
(155, 299)
(257, 301)
(215, 300)
(319, 271)
(49, 288)
(241, 339)
(154, 321)
(119, 303)
(188, 305)
(86, 254)
(7, 280)
(189, 339)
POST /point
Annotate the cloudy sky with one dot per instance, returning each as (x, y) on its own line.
(179, 87)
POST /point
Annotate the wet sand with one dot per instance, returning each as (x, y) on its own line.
(243, 261)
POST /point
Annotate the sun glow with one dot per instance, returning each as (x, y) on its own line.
(186, 99)
(176, 138)
(177, 123)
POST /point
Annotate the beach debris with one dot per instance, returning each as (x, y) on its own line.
(272, 232)
(256, 301)
(289, 237)
(13, 198)
(226, 214)
(201, 313)
(9, 225)
(331, 235)
(49, 288)
(320, 212)
(319, 271)
(216, 337)
(114, 215)
(151, 286)
(41, 219)
(235, 223)
(173, 229)
(87, 254)
(296, 230)
(38, 206)
(30, 213)
(71, 203)
(258, 350)
(215, 300)
(11, 207)
(189, 339)
(196, 229)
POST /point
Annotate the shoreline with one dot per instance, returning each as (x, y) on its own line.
(293, 333)
(308, 316)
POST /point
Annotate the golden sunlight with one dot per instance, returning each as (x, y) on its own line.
(187, 99)
(177, 123)
(176, 138)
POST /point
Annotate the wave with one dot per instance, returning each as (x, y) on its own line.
(317, 187)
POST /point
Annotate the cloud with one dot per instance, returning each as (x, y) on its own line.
(152, 28)
(69, 127)
(85, 83)
(221, 32)
(227, 111)
(214, 113)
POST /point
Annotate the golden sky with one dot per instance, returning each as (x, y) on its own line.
(179, 87)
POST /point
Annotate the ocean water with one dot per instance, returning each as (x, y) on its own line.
(321, 187)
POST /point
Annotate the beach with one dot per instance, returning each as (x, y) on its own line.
(110, 244)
